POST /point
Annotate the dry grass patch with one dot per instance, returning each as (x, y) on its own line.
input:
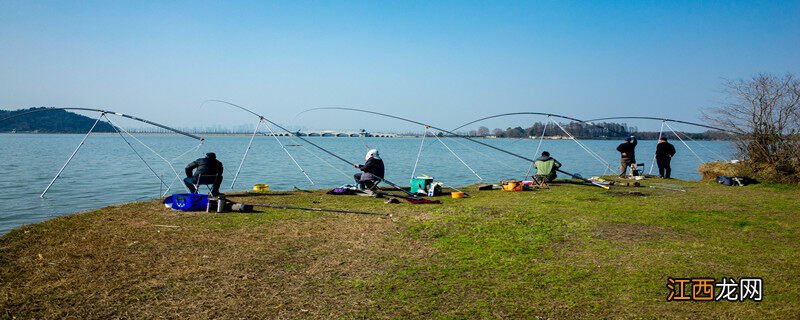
(116, 263)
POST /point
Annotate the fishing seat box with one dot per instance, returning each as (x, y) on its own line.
(420, 184)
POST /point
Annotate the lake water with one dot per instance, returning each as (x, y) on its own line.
(106, 171)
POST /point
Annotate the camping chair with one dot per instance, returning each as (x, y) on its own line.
(540, 181)
(371, 185)
(207, 180)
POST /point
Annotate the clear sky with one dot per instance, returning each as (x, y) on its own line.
(443, 62)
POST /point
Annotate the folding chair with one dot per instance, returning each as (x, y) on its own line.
(540, 181)
(206, 180)
(637, 169)
(371, 187)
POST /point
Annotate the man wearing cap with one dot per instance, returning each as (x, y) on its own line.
(664, 153)
(627, 152)
(209, 171)
(546, 167)
(372, 170)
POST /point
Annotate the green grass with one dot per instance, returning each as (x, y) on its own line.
(571, 251)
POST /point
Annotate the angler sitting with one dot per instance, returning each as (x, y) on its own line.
(546, 167)
(209, 171)
(372, 171)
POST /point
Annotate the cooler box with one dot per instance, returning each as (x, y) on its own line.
(420, 184)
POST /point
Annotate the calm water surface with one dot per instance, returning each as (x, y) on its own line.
(106, 171)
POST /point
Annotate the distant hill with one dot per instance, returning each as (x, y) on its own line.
(53, 121)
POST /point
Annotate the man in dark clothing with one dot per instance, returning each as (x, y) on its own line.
(373, 170)
(209, 168)
(627, 150)
(664, 153)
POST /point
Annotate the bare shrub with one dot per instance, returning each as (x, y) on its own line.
(765, 112)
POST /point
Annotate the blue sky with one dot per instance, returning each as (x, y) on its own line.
(443, 62)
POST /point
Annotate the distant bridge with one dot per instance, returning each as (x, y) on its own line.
(336, 134)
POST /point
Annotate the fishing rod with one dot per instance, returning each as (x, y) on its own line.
(668, 120)
(316, 209)
(109, 112)
(261, 119)
(436, 128)
(535, 113)
(313, 144)
(103, 114)
(579, 177)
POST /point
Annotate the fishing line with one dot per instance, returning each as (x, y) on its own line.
(114, 125)
(71, 156)
(320, 158)
(719, 156)
(652, 164)
(484, 154)
(314, 144)
(263, 118)
(591, 153)
(195, 148)
(419, 153)
(154, 152)
(103, 114)
(440, 129)
(684, 143)
(290, 155)
(538, 147)
(109, 112)
(533, 113)
(249, 145)
(667, 120)
(457, 157)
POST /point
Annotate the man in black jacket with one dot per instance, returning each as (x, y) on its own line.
(627, 150)
(664, 153)
(372, 170)
(209, 168)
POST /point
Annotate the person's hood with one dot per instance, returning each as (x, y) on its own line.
(372, 153)
(544, 158)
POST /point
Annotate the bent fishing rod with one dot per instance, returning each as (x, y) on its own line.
(109, 112)
(311, 143)
(316, 209)
(667, 120)
(535, 113)
(261, 120)
(103, 114)
(442, 130)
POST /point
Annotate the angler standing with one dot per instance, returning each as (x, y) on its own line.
(209, 171)
(372, 171)
(664, 153)
(627, 152)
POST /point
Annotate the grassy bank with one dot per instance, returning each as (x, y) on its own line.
(570, 251)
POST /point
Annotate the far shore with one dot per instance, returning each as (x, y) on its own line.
(393, 137)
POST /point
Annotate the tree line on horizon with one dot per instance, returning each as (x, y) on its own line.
(582, 130)
(62, 121)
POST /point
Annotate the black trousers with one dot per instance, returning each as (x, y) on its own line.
(214, 181)
(664, 170)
